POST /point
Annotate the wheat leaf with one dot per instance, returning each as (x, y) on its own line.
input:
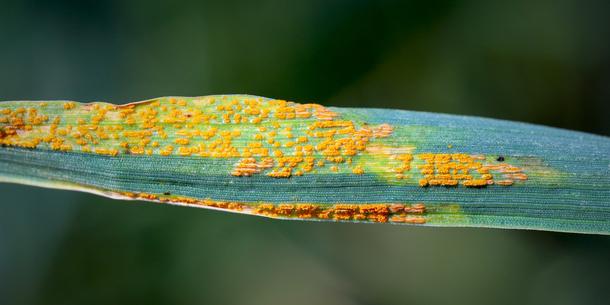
(281, 159)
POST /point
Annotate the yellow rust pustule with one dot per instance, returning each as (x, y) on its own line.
(397, 213)
(405, 213)
(276, 138)
(294, 138)
(468, 170)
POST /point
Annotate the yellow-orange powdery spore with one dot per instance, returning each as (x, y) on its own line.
(398, 213)
(347, 212)
(276, 138)
(272, 137)
(467, 170)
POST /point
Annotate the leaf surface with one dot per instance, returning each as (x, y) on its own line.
(280, 159)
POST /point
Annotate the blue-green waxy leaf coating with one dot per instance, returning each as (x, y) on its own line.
(281, 159)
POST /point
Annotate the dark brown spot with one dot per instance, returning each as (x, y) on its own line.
(500, 159)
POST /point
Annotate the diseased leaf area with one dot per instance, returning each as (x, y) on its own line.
(282, 159)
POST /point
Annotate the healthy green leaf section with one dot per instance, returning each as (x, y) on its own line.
(281, 159)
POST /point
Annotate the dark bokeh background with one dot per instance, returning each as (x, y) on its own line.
(545, 62)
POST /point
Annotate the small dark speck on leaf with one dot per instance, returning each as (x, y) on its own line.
(500, 159)
(167, 193)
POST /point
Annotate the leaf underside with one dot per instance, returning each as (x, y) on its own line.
(280, 159)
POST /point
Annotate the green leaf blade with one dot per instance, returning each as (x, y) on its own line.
(285, 160)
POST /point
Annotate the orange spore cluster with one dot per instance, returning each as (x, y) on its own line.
(405, 165)
(250, 166)
(346, 212)
(467, 170)
(226, 205)
(274, 137)
(399, 213)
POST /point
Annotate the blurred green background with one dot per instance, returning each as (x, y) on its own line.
(545, 62)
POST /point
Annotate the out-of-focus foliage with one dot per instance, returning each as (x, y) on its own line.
(546, 62)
